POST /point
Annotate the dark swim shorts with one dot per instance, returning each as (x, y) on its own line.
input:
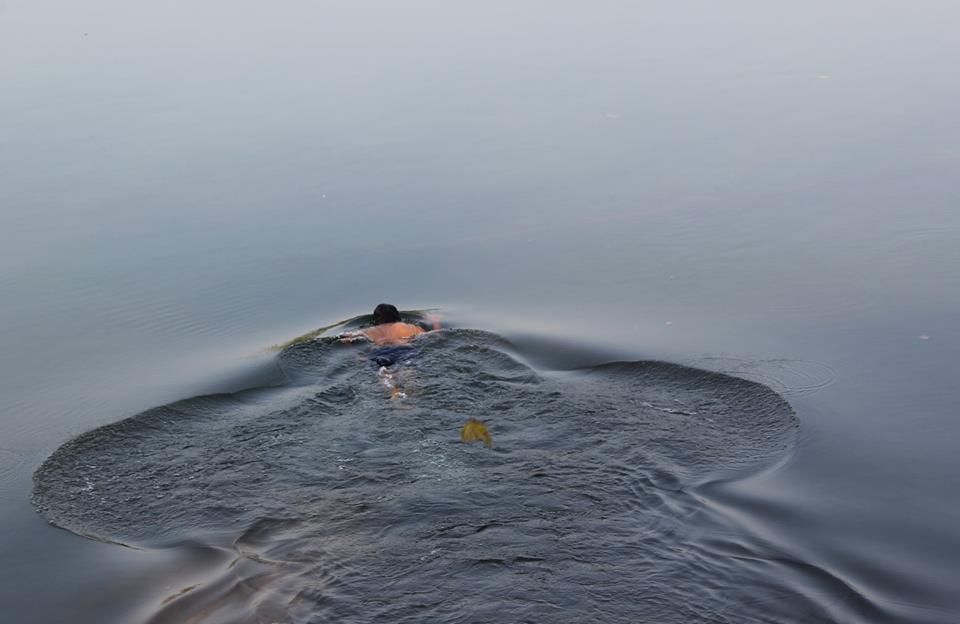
(388, 356)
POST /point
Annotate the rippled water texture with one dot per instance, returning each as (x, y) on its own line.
(325, 500)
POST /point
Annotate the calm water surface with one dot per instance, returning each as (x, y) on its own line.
(759, 190)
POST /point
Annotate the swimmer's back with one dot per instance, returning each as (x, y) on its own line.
(392, 333)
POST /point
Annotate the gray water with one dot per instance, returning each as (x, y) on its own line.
(762, 191)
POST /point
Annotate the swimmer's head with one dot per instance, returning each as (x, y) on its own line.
(385, 313)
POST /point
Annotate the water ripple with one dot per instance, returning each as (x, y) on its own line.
(338, 503)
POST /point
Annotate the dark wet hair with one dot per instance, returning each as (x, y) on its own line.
(385, 313)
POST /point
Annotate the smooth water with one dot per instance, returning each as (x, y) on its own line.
(761, 191)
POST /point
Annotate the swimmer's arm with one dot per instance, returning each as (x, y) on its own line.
(434, 321)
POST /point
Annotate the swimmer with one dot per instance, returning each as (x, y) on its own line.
(392, 336)
(388, 328)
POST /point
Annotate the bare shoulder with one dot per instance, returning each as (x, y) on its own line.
(392, 332)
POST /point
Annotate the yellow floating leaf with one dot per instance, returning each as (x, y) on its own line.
(475, 430)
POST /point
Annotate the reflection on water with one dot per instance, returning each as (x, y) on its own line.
(334, 501)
